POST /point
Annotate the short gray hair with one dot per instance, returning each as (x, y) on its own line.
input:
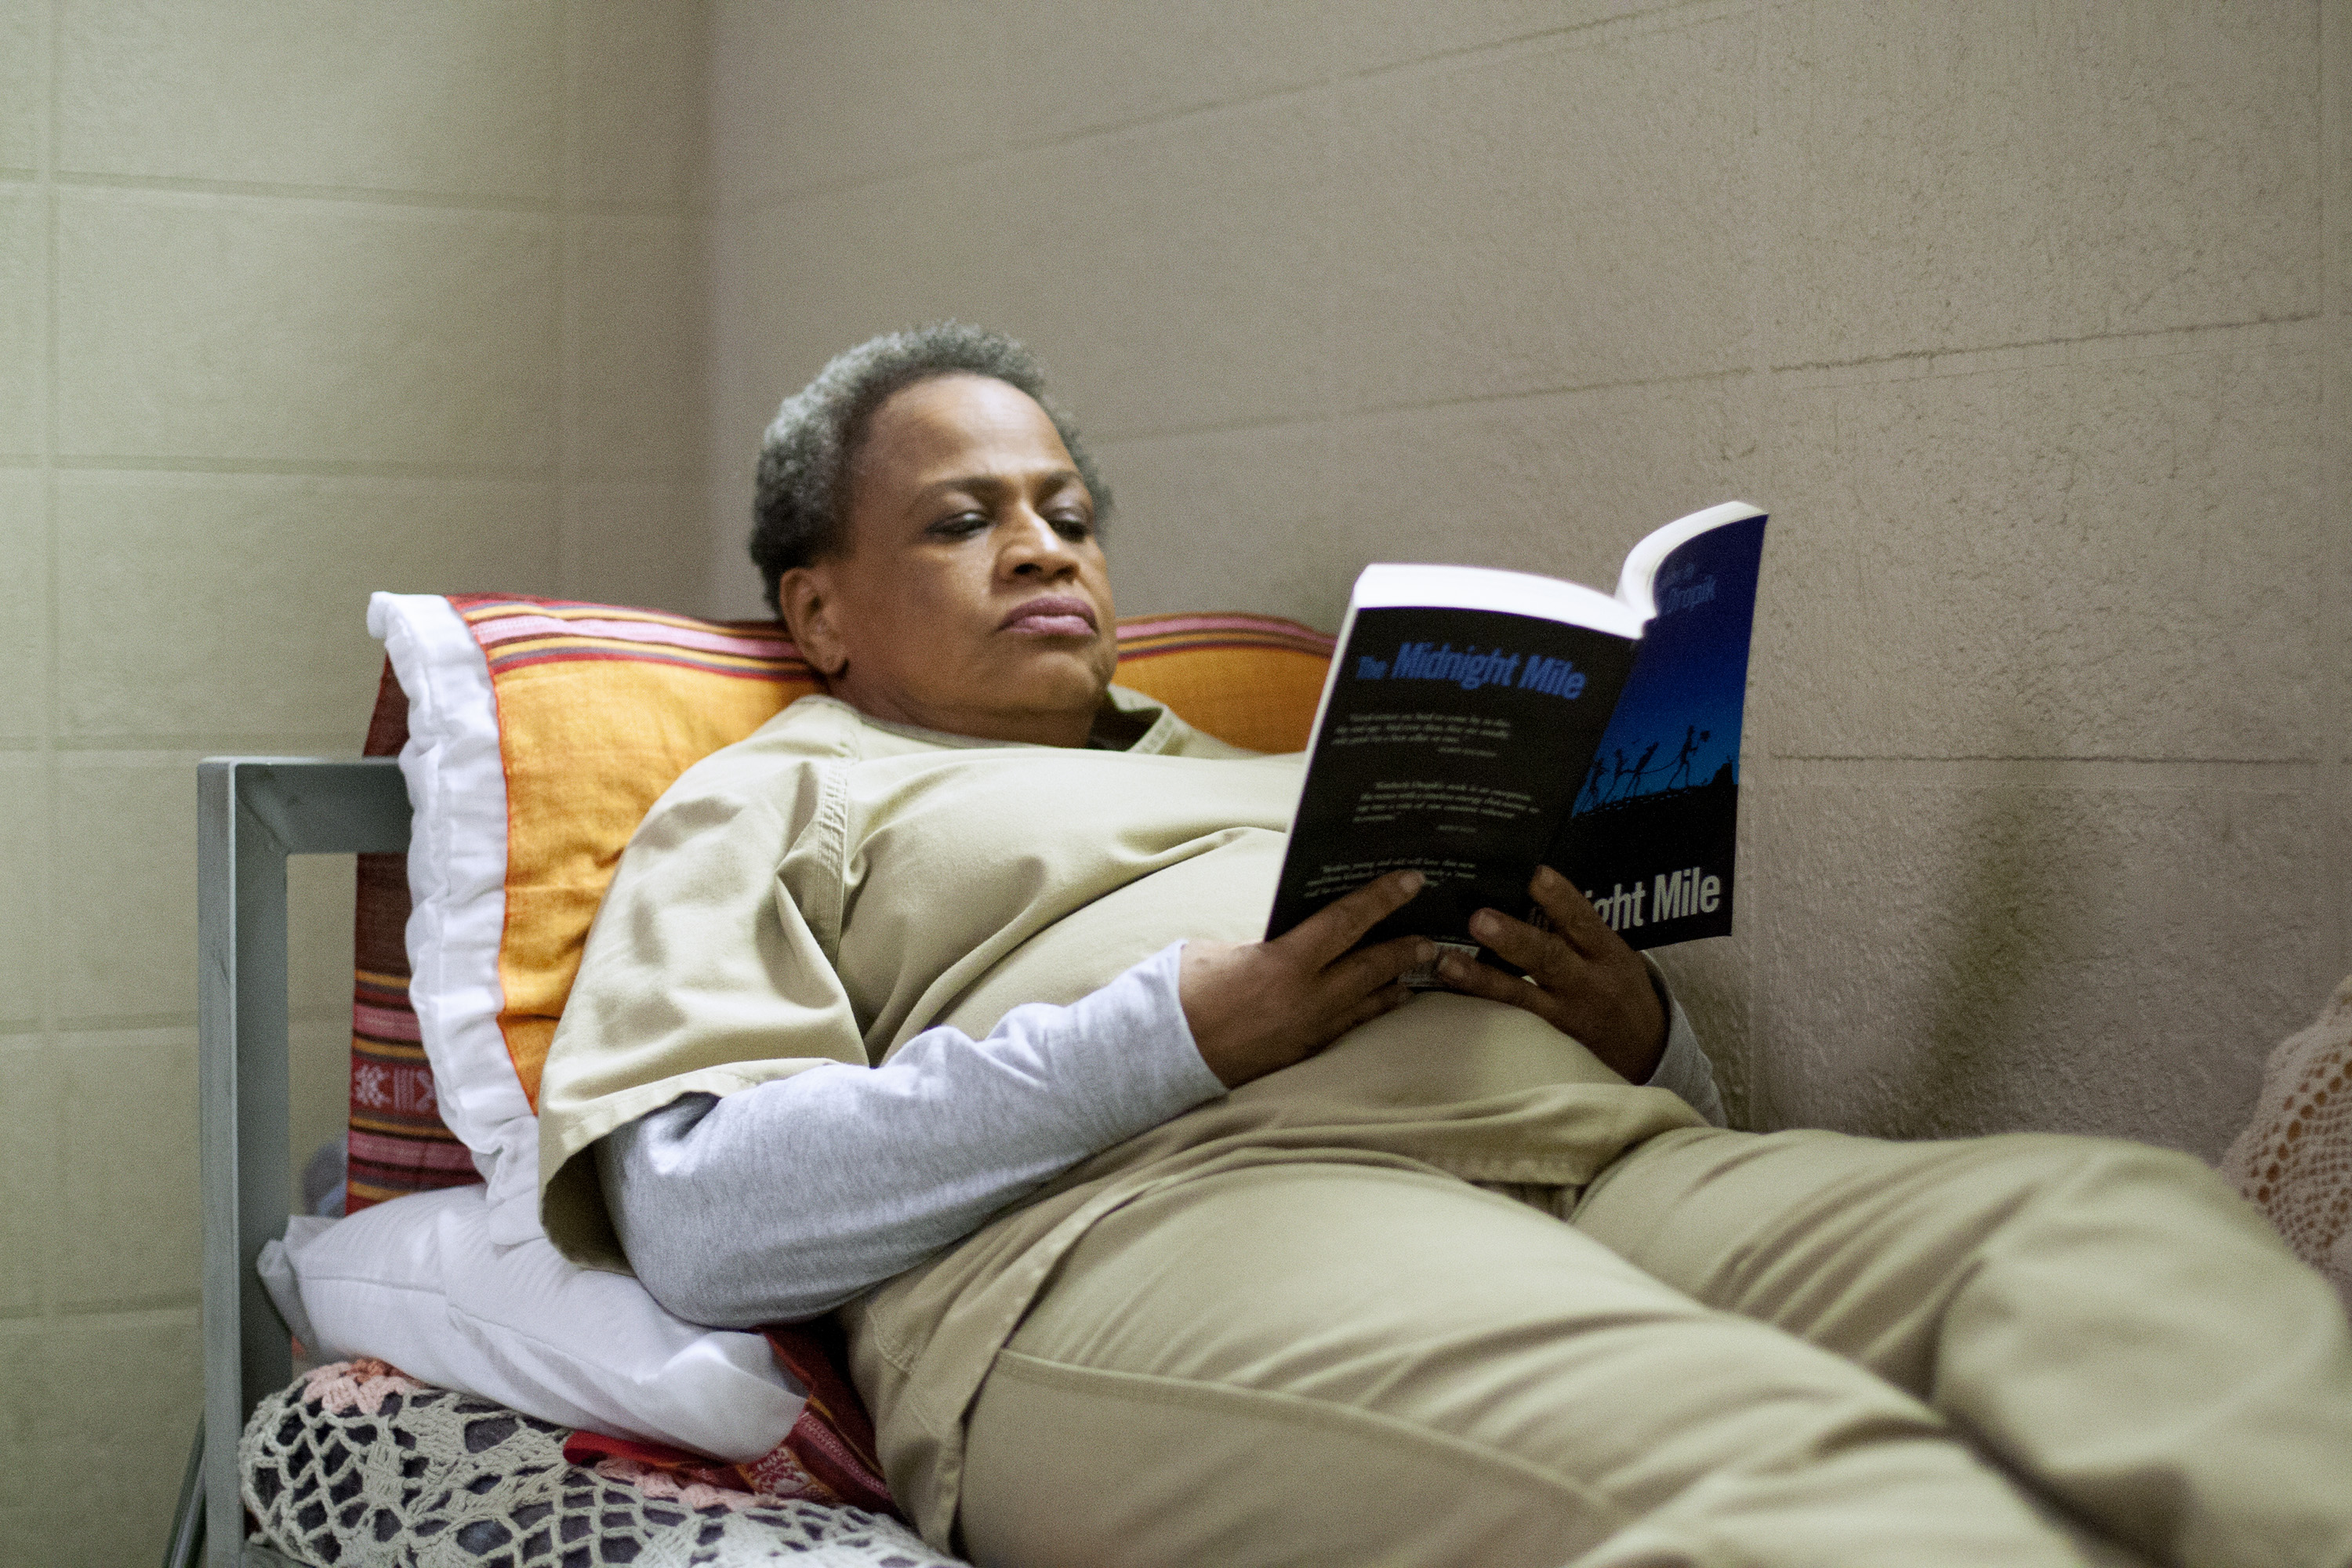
(800, 506)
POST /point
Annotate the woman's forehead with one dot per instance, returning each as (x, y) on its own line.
(951, 426)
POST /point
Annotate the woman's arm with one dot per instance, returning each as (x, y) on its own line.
(786, 1200)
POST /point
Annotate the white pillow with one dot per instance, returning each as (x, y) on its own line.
(418, 1281)
(457, 884)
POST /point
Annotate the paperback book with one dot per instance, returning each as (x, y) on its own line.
(1477, 723)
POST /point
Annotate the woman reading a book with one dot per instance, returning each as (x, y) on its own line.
(938, 1005)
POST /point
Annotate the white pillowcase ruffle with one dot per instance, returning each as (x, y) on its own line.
(456, 886)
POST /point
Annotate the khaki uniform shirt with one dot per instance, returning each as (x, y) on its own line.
(832, 886)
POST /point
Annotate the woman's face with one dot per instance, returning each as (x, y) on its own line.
(971, 595)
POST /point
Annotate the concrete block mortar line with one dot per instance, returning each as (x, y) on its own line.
(134, 1303)
(2297, 774)
(361, 196)
(1757, 389)
(192, 746)
(299, 468)
(1637, 22)
(2336, 397)
(1107, 436)
(45, 957)
(567, 285)
(727, 466)
(1601, 30)
(726, 458)
(45, 961)
(126, 1318)
(122, 1023)
(2093, 349)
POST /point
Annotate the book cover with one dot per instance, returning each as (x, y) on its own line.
(1477, 724)
(1652, 834)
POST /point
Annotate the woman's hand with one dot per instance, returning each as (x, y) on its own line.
(1255, 1006)
(1588, 983)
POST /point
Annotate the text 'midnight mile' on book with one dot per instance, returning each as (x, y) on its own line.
(1477, 723)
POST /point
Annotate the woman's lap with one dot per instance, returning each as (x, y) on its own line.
(1352, 1363)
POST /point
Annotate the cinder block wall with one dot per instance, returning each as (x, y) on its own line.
(2027, 321)
(296, 301)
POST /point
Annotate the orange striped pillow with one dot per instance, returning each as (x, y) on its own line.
(1250, 680)
(598, 707)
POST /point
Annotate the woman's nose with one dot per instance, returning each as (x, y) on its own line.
(1035, 545)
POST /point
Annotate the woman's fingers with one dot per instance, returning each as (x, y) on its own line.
(1462, 973)
(1544, 954)
(1571, 913)
(1341, 924)
(1373, 967)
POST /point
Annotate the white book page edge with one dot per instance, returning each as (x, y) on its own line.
(1400, 585)
(1636, 581)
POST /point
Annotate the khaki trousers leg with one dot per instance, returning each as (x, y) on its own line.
(1356, 1363)
(2106, 1319)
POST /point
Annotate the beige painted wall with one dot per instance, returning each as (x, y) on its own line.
(297, 301)
(2027, 321)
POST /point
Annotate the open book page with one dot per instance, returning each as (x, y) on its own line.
(1445, 742)
(1653, 830)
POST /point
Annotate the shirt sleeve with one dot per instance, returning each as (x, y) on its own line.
(786, 1200)
(1684, 1069)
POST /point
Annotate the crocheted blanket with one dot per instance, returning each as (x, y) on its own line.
(355, 1463)
(2293, 1160)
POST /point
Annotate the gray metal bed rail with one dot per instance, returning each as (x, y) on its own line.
(251, 814)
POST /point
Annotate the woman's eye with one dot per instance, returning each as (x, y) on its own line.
(962, 525)
(1074, 527)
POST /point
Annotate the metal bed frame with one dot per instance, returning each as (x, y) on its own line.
(252, 813)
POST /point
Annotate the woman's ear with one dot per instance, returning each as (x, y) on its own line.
(804, 593)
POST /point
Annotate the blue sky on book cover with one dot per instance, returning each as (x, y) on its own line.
(1677, 723)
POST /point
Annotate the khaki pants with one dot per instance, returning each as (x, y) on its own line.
(1799, 1347)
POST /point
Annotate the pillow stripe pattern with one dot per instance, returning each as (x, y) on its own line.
(598, 709)
(666, 691)
(1144, 637)
(517, 633)
(1250, 680)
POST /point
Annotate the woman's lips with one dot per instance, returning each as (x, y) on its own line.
(1052, 617)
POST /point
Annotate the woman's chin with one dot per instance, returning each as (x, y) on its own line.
(1079, 695)
(1049, 697)
(1055, 673)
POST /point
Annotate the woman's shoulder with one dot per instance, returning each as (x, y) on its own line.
(1156, 730)
(783, 759)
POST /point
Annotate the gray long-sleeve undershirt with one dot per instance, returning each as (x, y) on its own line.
(784, 1201)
